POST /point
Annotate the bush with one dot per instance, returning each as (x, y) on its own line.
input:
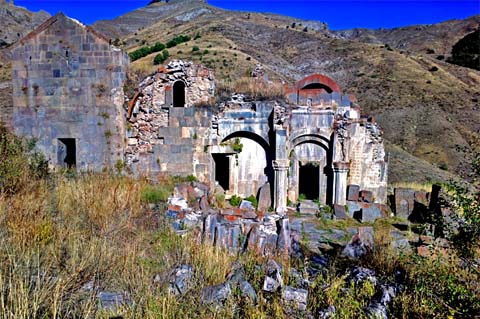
(144, 51)
(161, 57)
(235, 200)
(178, 40)
(252, 199)
(195, 48)
(20, 163)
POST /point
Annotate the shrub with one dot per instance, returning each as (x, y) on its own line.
(161, 57)
(237, 146)
(20, 162)
(235, 200)
(144, 51)
(252, 199)
(301, 197)
(433, 69)
(195, 48)
(178, 40)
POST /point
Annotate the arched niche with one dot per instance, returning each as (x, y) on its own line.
(178, 94)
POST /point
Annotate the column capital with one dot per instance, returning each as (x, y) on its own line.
(341, 166)
(281, 165)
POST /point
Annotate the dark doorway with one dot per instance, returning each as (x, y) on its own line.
(222, 170)
(309, 181)
(67, 152)
(179, 94)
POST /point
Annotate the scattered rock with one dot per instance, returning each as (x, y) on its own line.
(327, 313)
(273, 279)
(236, 279)
(216, 294)
(112, 301)
(295, 297)
(247, 205)
(360, 245)
(180, 279)
(362, 274)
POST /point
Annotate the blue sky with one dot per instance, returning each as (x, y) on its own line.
(340, 14)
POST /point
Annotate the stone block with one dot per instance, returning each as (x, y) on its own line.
(353, 192)
(339, 212)
(366, 196)
(370, 212)
(295, 297)
(352, 207)
(264, 198)
(283, 241)
(404, 202)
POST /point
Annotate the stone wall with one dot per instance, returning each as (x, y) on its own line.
(68, 84)
(368, 166)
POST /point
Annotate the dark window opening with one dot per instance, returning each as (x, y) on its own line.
(309, 180)
(316, 86)
(222, 170)
(67, 152)
(179, 94)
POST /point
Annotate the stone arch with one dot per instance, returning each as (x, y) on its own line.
(179, 96)
(252, 143)
(311, 171)
(318, 81)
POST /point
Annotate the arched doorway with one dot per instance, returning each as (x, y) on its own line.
(244, 171)
(179, 94)
(310, 174)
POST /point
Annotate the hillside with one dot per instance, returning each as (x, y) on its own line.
(16, 22)
(427, 107)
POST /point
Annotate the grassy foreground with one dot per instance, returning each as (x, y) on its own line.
(61, 233)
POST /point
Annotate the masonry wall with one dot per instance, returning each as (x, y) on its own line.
(178, 148)
(368, 167)
(67, 83)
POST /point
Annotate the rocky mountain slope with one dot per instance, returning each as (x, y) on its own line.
(427, 107)
(16, 22)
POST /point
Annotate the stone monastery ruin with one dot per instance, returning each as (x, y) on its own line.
(68, 95)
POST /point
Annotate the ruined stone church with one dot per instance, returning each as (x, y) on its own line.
(68, 95)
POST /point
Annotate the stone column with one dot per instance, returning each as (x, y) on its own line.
(281, 183)
(340, 172)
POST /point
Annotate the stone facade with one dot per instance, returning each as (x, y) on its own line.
(68, 94)
(313, 144)
(167, 126)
